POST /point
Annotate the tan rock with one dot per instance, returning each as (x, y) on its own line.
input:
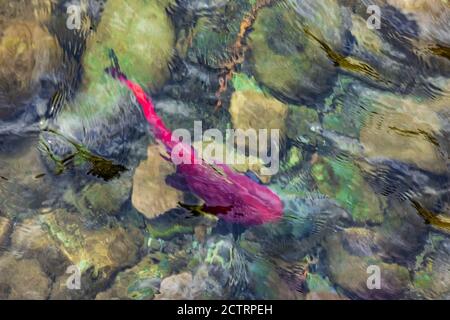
(40, 10)
(423, 10)
(106, 249)
(255, 110)
(348, 262)
(98, 253)
(29, 240)
(27, 52)
(405, 130)
(151, 195)
(176, 287)
(431, 16)
(200, 285)
(22, 279)
(419, 5)
(366, 38)
(5, 227)
(200, 232)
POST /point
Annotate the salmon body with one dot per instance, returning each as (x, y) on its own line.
(232, 196)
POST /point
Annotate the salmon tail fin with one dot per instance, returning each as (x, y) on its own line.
(114, 70)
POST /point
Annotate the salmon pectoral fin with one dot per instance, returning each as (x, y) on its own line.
(205, 209)
(217, 209)
(196, 210)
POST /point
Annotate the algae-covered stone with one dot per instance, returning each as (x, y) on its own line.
(432, 279)
(101, 197)
(108, 196)
(286, 58)
(299, 121)
(215, 270)
(412, 39)
(151, 195)
(97, 252)
(213, 37)
(320, 288)
(360, 242)
(175, 224)
(343, 181)
(141, 282)
(22, 279)
(294, 157)
(105, 249)
(348, 262)
(162, 231)
(344, 105)
(266, 283)
(142, 36)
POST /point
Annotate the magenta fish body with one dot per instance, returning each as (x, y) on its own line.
(232, 196)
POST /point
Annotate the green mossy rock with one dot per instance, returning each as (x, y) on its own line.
(344, 105)
(299, 121)
(142, 36)
(213, 37)
(140, 282)
(344, 183)
(287, 60)
(98, 252)
(100, 198)
(432, 277)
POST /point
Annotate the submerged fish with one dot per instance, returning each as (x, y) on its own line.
(232, 196)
